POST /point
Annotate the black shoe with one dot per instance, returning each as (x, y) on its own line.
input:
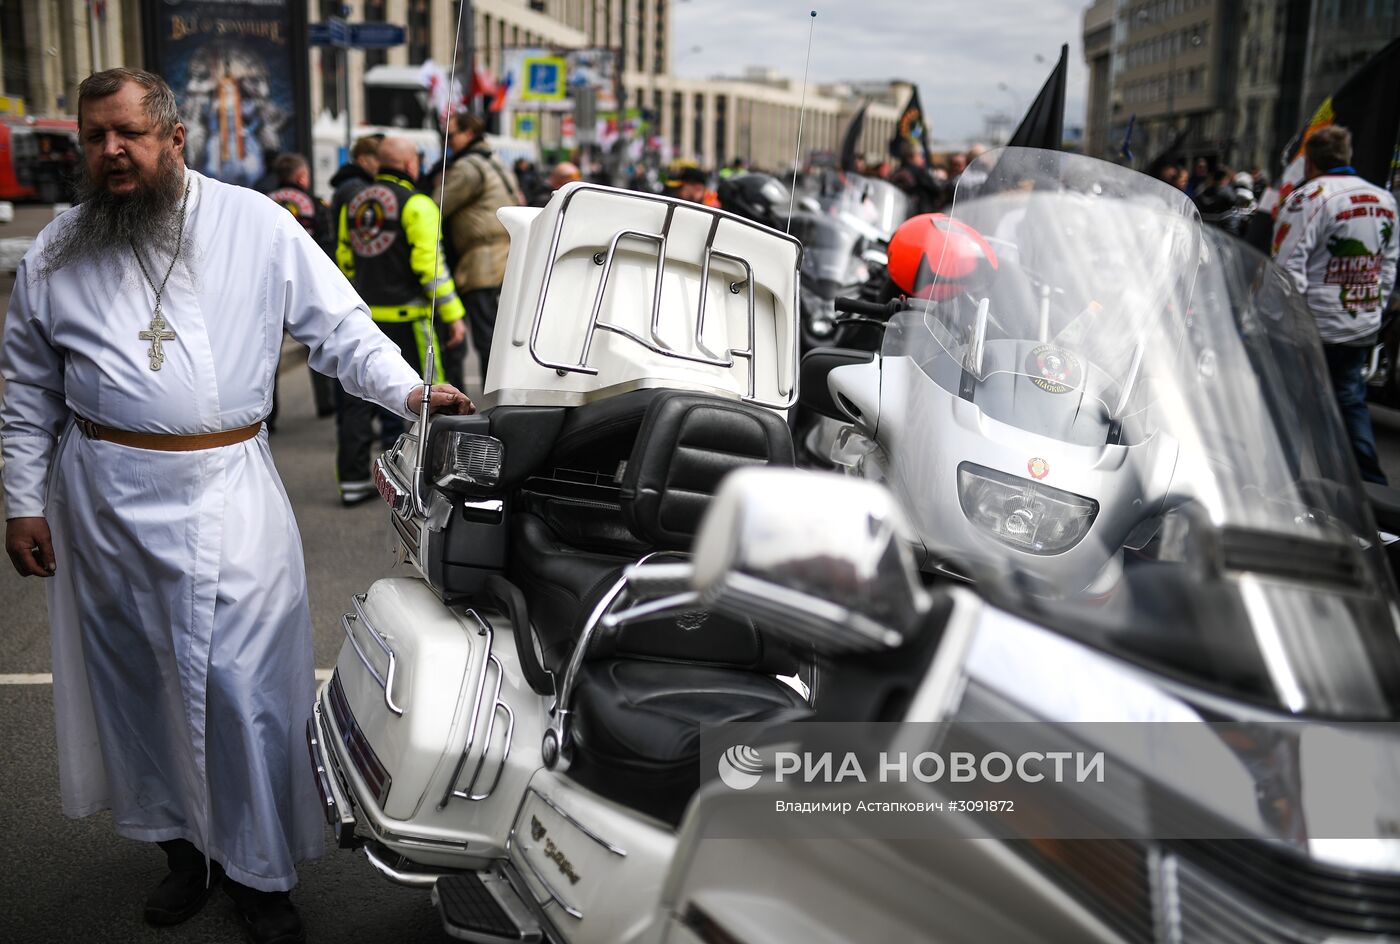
(270, 916)
(357, 493)
(184, 891)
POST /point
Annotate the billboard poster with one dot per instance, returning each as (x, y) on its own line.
(239, 70)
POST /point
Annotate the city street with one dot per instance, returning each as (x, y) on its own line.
(79, 881)
(72, 881)
(1072, 290)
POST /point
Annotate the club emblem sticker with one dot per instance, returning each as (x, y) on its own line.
(1038, 468)
(1052, 369)
(740, 767)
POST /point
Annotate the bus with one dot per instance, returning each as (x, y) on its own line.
(37, 158)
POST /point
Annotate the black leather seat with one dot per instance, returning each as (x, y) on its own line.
(648, 690)
(558, 579)
(637, 723)
(674, 448)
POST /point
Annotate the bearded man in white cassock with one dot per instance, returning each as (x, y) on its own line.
(140, 352)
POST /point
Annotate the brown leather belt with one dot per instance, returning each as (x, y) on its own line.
(167, 443)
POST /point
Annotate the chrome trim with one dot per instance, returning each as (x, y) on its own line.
(667, 577)
(705, 288)
(615, 850)
(411, 879)
(559, 728)
(339, 810)
(788, 393)
(346, 620)
(514, 396)
(505, 754)
(496, 707)
(374, 817)
(517, 884)
(486, 631)
(402, 504)
(358, 601)
(664, 606)
(548, 888)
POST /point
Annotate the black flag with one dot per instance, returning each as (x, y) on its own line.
(1044, 124)
(1368, 107)
(851, 140)
(911, 128)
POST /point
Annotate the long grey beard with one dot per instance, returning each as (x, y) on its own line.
(110, 224)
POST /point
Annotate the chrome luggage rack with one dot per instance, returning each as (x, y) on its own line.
(655, 344)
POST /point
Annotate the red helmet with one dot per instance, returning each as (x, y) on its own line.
(935, 256)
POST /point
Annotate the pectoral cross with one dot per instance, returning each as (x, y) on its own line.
(156, 333)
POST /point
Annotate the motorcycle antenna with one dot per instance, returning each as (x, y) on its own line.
(801, 116)
(420, 460)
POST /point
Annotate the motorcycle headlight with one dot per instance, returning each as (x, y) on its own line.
(1024, 514)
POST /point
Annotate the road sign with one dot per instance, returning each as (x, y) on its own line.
(376, 35)
(332, 31)
(544, 78)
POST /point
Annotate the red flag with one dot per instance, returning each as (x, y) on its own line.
(483, 84)
(502, 88)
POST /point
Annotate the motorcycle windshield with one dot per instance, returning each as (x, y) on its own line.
(873, 206)
(828, 249)
(1121, 422)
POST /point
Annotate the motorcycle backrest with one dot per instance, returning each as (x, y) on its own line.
(686, 446)
(610, 290)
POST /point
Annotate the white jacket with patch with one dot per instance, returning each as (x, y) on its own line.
(1335, 235)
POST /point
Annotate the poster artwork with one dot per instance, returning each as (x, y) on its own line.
(232, 66)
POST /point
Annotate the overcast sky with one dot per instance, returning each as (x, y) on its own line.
(956, 52)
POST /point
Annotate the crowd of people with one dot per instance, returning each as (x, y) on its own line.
(1226, 198)
(475, 243)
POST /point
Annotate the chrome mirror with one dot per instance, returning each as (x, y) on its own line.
(820, 559)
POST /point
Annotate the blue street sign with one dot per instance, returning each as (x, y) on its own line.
(376, 35)
(329, 32)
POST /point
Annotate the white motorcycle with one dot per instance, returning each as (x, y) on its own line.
(517, 727)
(493, 716)
(1011, 407)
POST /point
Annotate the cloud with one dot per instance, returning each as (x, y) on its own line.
(958, 53)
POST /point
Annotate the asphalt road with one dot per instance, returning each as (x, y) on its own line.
(66, 880)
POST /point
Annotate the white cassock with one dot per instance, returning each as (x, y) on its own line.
(183, 675)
